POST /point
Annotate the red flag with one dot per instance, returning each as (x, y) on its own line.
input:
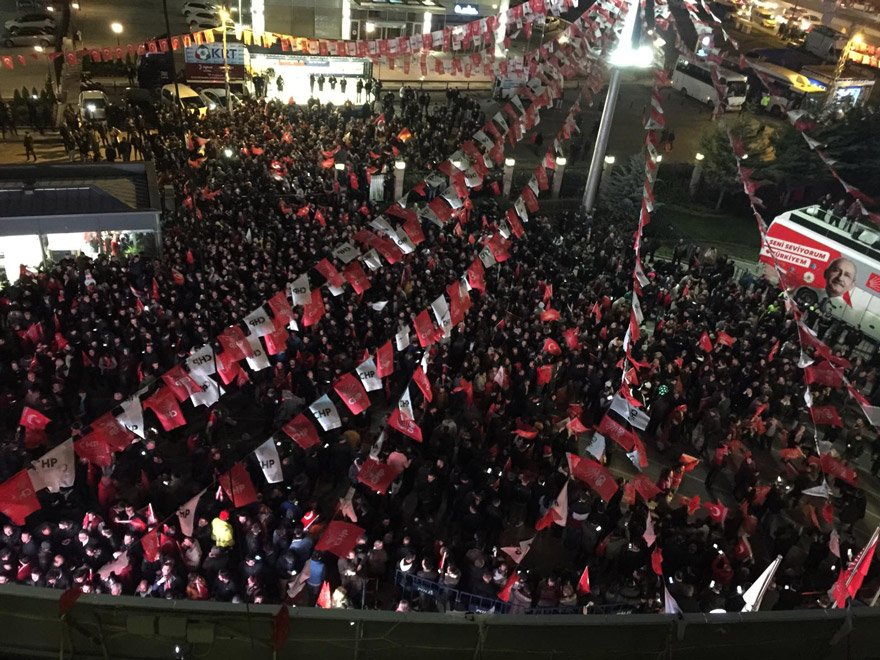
(68, 599)
(692, 504)
(467, 388)
(166, 408)
(584, 583)
(111, 433)
(557, 513)
(571, 338)
(330, 273)
(545, 374)
(838, 469)
(324, 596)
(504, 594)
(421, 379)
(94, 449)
(575, 426)
(425, 329)
(377, 475)
(552, 347)
(18, 499)
(181, 384)
(339, 538)
(823, 374)
(688, 462)
(476, 275)
(717, 511)
(404, 135)
(228, 367)
(773, 351)
(314, 309)
(238, 486)
(406, 426)
(352, 393)
(233, 340)
(705, 342)
(34, 423)
(657, 561)
(281, 310)
(826, 416)
(725, 339)
(620, 434)
(646, 488)
(150, 543)
(385, 360)
(550, 314)
(595, 475)
(356, 276)
(302, 432)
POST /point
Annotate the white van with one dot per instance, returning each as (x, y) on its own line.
(189, 99)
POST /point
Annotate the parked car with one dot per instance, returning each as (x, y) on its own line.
(37, 5)
(29, 37)
(203, 20)
(196, 7)
(36, 20)
(215, 98)
(189, 98)
(93, 105)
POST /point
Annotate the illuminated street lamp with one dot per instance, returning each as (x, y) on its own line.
(224, 18)
(399, 171)
(507, 180)
(117, 30)
(561, 162)
(630, 53)
(697, 174)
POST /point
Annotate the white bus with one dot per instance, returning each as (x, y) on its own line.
(780, 90)
(830, 262)
(693, 79)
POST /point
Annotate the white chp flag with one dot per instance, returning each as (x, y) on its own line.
(211, 391)
(301, 290)
(259, 323)
(637, 309)
(270, 462)
(755, 594)
(401, 339)
(635, 416)
(186, 514)
(405, 405)
(258, 361)
(132, 416)
(346, 252)
(366, 371)
(441, 312)
(487, 258)
(669, 604)
(325, 412)
(201, 362)
(402, 241)
(596, 448)
(56, 469)
(372, 260)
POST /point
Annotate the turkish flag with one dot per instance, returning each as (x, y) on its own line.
(705, 342)
(504, 594)
(717, 511)
(584, 583)
(620, 434)
(406, 426)
(324, 600)
(692, 504)
(357, 277)
(595, 475)
(181, 383)
(725, 339)
(151, 545)
(302, 432)
(112, 433)
(18, 498)
(352, 393)
(339, 538)
(571, 338)
(166, 408)
(385, 360)
(228, 367)
(376, 475)
(34, 423)
(314, 309)
(421, 379)
(238, 486)
(657, 561)
(645, 487)
(476, 275)
(330, 273)
(551, 347)
(545, 374)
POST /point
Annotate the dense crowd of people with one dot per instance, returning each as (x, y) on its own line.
(82, 335)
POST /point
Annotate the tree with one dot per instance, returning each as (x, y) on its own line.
(620, 198)
(789, 162)
(719, 164)
(854, 142)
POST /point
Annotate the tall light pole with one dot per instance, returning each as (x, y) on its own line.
(117, 30)
(173, 66)
(224, 17)
(630, 53)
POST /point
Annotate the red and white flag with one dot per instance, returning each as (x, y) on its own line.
(34, 423)
(302, 432)
(352, 393)
(186, 514)
(18, 498)
(56, 469)
(584, 583)
(238, 486)
(851, 578)
(557, 513)
(339, 538)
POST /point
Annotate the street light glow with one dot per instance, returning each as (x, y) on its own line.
(227, 152)
(116, 27)
(700, 156)
(609, 160)
(400, 165)
(38, 49)
(509, 162)
(369, 27)
(626, 55)
(338, 166)
(561, 161)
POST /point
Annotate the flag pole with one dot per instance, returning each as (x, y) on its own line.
(861, 557)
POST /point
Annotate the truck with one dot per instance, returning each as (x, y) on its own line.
(825, 42)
